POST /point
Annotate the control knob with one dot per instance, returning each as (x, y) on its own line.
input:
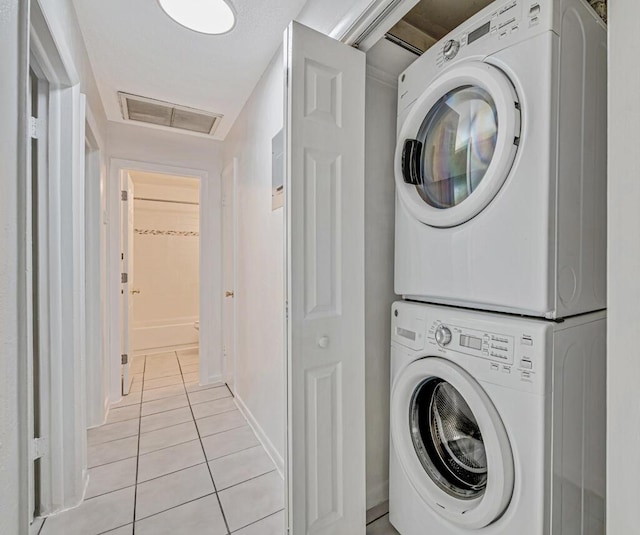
(451, 48)
(443, 336)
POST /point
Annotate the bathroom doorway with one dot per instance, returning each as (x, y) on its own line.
(160, 275)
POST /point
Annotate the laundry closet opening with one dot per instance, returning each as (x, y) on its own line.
(161, 250)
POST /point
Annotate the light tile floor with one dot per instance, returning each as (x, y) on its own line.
(175, 458)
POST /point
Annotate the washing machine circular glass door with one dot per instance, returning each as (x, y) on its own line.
(458, 144)
(451, 442)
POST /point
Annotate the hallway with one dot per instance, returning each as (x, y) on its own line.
(175, 457)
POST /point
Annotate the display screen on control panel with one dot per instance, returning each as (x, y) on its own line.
(470, 342)
(479, 32)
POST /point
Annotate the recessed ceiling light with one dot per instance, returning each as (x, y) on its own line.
(204, 16)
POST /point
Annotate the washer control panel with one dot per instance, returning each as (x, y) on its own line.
(487, 345)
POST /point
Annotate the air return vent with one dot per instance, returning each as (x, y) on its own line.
(167, 115)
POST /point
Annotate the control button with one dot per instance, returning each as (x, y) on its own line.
(526, 364)
(451, 48)
(514, 29)
(525, 376)
(443, 336)
(526, 340)
(534, 10)
(506, 369)
(494, 367)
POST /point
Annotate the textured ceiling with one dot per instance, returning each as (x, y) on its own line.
(135, 47)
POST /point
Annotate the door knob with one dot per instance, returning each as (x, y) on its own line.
(229, 294)
(134, 292)
(323, 342)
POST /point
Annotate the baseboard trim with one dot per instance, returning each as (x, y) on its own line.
(378, 494)
(213, 379)
(262, 437)
(105, 414)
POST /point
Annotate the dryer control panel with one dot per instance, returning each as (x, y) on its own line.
(486, 345)
(501, 22)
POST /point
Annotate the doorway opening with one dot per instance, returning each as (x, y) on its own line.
(160, 272)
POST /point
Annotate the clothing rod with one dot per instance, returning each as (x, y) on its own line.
(165, 200)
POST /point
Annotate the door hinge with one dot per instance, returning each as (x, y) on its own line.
(125, 195)
(39, 447)
(35, 128)
(286, 310)
(124, 278)
(125, 359)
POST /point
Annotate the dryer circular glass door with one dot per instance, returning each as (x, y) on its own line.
(451, 442)
(457, 144)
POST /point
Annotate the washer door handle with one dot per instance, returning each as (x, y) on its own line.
(411, 156)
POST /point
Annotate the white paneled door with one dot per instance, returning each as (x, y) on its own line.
(127, 279)
(324, 192)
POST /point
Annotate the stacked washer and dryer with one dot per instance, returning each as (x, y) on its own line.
(498, 348)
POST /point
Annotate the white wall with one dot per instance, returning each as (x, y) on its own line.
(165, 262)
(13, 502)
(61, 18)
(623, 410)
(381, 99)
(64, 411)
(259, 290)
(131, 142)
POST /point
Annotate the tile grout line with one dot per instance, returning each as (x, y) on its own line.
(204, 452)
(259, 520)
(174, 445)
(251, 479)
(135, 492)
(113, 439)
(187, 468)
(168, 410)
(176, 506)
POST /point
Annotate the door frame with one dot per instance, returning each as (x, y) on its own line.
(61, 257)
(210, 302)
(234, 245)
(97, 393)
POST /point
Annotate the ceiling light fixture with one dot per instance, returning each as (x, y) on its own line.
(203, 16)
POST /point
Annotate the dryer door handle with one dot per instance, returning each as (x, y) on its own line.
(411, 156)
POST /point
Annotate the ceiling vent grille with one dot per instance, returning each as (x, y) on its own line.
(167, 115)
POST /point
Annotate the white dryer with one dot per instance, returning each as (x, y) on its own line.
(501, 163)
(497, 423)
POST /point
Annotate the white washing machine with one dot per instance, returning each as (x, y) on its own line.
(497, 423)
(501, 163)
